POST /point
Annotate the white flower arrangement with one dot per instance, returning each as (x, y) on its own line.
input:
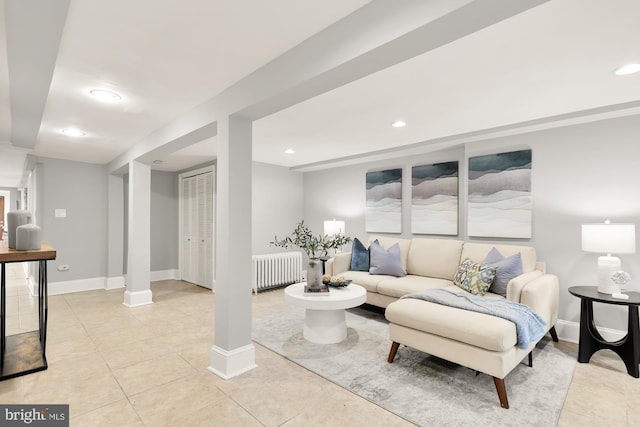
(620, 277)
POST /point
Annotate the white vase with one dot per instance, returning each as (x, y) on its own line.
(14, 220)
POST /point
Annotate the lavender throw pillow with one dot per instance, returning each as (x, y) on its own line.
(508, 268)
(385, 261)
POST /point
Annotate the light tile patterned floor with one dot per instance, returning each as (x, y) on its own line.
(147, 366)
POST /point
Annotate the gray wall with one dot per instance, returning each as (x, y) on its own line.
(15, 197)
(277, 205)
(81, 238)
(164, 220)
(582, 173)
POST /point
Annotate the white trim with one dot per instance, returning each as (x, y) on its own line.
(171, 274)
(200, 171)
(230, 363)
(138, 298)
(115, 282)
(107, 283)
(570, 331)
(69, 286)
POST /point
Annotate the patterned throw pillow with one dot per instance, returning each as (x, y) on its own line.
(473, 277)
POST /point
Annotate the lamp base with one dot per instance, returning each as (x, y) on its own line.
(607, 265)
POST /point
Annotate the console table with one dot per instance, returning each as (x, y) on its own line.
(628, 348)
(24, 353)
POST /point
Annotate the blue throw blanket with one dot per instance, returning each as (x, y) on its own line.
(529, 326)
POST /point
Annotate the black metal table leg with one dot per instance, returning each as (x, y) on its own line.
(3, 327)
(45, 308)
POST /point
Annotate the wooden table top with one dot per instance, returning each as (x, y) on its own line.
(12, 255)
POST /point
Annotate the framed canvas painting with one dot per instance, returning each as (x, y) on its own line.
(434, 199)
(383, 213)
(499, 203)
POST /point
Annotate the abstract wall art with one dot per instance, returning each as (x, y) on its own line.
(434, 199)
(499, 203)
(383, 213)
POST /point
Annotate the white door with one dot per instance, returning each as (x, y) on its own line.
(197, 216)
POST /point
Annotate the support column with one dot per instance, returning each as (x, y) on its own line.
(115, 232)
(233, 352)
(139, 240)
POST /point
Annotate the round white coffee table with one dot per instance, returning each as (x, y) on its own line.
(324, 321)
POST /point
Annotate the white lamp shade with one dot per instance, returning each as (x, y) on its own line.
(333, 227)
(609, 238)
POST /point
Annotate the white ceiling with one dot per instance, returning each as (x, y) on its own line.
(165, 58)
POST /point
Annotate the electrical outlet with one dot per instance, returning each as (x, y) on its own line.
(63, 267)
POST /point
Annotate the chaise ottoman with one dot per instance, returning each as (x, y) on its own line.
(478, 341)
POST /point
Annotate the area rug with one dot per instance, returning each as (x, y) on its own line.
(420, 388)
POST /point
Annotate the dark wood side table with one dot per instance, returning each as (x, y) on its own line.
(24, 353)
(628, 348)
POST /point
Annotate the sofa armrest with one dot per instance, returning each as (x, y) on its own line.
(517, 284)
(542, 295)
(338, 264)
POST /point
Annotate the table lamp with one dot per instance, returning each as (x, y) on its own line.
(333, 227)
(609, 239)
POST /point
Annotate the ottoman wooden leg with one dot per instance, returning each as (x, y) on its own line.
(392, 353)
(502, 392)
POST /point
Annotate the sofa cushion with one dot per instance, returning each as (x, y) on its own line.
(508, 268)
(437, 258)
(474, 277)
(364, 279)
(478, 329)
(479, 251)
(385, 261)
(387, 242)
(397, 287)
(359, 256)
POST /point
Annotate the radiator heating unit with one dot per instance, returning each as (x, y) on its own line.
(274, 270)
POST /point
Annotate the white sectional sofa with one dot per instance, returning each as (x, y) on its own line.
(479, 341)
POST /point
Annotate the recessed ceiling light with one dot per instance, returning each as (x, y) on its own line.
(289, 151)
(628, 69)
(73, 132)
(158, 162)
(399, 124)
(105, 95)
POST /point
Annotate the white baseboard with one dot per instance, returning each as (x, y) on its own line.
(115, 282)
(137, 298)
(230, 363)
(69, 286)
(570, 331)
(172, 274)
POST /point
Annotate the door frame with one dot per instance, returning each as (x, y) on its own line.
(188, 174)
(7, 206)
